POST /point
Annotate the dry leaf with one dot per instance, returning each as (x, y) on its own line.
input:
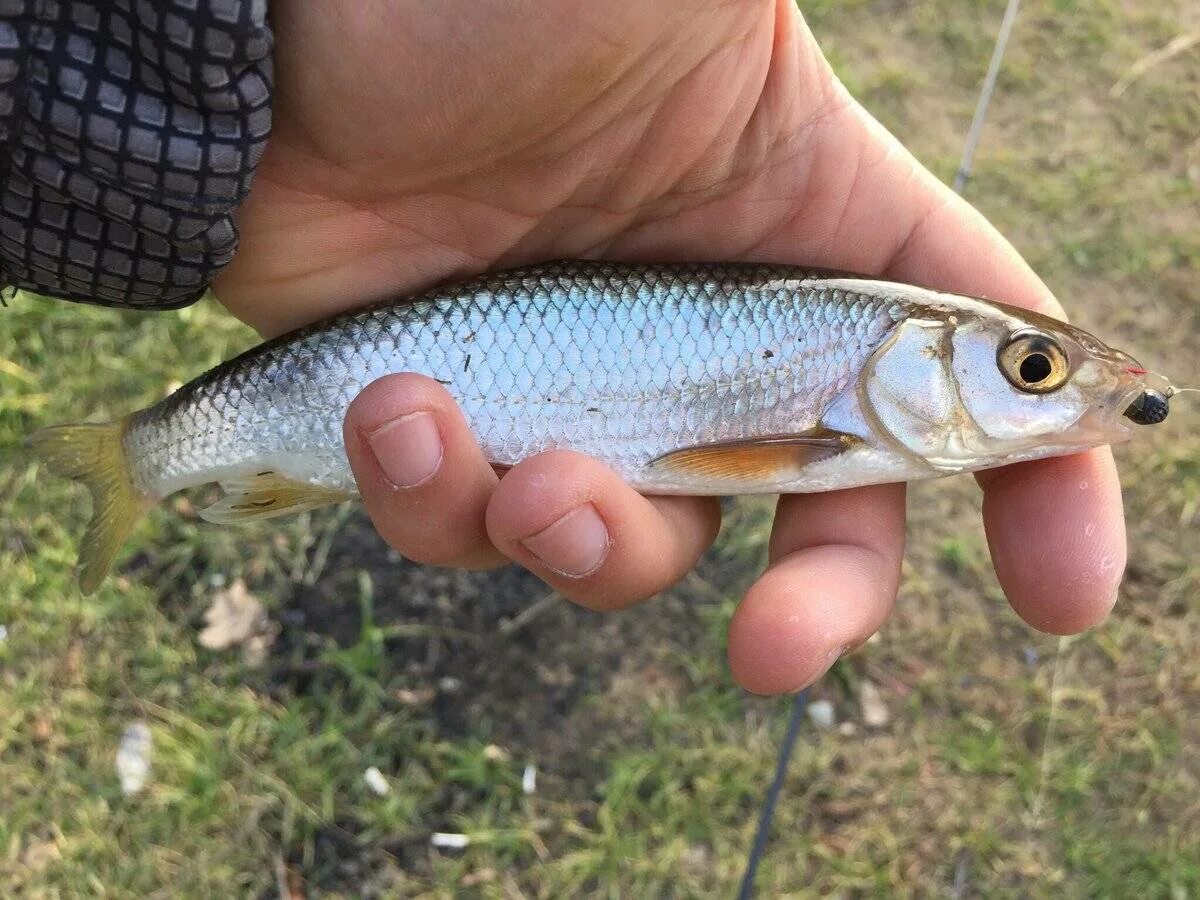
(418, 697)
(289, 883)
(495, 754)
(42, 729)
(38, 854)
(255, 649)
(481, 876)
(233, 617)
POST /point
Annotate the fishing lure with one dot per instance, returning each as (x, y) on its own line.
(684, 378)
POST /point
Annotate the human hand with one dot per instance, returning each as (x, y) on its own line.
(419, 142)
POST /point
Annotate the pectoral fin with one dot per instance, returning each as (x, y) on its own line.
(265, 496)
(765, 460)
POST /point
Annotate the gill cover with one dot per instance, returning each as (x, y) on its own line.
(910, 394)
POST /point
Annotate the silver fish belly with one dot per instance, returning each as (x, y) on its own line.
(623, 363)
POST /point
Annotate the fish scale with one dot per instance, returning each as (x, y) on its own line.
(624, 363)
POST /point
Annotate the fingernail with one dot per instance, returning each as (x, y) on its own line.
(409, 449)
(575, 545)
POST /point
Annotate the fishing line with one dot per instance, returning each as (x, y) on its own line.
(1048, 740)
(801, 702)
(768, 809)
(985, 96)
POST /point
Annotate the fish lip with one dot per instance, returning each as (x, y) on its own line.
(1106, 421)
(1122, 399)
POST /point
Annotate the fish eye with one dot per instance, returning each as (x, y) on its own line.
(1034, 362)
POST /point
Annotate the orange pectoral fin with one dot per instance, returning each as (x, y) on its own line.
(766, 459)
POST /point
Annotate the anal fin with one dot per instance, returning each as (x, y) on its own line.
(265, 496)
(763, 460)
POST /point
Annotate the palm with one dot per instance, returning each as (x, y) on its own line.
(416, 142)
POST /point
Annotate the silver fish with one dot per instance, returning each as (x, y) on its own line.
(684, 378)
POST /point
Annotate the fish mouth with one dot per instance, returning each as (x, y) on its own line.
(1152, 404)
(1108, 422)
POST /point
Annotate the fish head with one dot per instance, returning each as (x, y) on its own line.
(976, 384)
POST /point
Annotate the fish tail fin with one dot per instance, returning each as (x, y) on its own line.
(95, 455)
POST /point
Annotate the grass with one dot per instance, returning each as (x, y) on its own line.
(1023, 765)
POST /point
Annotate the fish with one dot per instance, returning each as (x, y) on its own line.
(684, 378)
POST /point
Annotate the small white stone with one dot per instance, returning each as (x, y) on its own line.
(529, 779)
(133, 758)
(376, 782)
(820, 712)
(449, 841)
(874, 711)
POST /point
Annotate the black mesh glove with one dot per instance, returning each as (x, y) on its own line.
(129, 132)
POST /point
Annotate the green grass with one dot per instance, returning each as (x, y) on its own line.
(1026, 766)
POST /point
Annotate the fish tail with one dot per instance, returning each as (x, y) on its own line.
(95, 455)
